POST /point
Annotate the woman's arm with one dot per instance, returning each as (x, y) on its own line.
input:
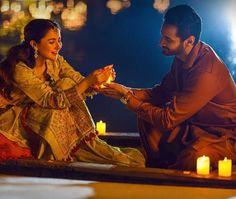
(44, 95)
(85, 84)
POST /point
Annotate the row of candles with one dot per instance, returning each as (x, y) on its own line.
(224, 166)
(203, 162)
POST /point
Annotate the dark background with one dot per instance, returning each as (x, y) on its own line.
(130, 41)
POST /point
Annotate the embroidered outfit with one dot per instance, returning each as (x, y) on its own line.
(51, 118)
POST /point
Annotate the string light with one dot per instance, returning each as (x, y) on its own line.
(117, 5)
(161, 5)
(74, 17)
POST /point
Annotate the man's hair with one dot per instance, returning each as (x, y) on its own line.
(187, 21)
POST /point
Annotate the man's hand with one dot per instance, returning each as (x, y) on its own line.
(113, 90)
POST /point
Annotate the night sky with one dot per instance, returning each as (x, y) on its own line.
(130, 41)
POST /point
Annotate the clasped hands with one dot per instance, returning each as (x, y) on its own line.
(102, 78)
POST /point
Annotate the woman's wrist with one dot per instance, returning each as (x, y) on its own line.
(83, 85)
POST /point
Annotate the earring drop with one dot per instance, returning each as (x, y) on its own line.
(35, 53)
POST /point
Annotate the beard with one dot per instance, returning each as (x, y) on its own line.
(172, 52)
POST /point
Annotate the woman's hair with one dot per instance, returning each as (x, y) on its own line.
(34, 30)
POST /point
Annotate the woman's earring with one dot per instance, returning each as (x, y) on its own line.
(35, 53)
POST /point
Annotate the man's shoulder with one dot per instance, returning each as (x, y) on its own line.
(206, 51)
(208, 60)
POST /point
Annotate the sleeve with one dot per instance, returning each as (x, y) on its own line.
(142, 94)
(199, 89)
(3, 102)
(67, 71)
(40, 92)
(160, 93)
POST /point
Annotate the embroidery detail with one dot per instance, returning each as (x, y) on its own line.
(64, 129)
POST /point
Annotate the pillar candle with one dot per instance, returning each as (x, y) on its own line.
(101, 127)
(225, 167)
(203, 165)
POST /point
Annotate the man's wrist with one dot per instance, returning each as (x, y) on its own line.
(126, 97)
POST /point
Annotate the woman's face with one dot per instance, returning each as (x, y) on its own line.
(50, 45)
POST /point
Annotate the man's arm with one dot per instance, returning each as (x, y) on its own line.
(142, 93)
(159, 94)
(199, 90)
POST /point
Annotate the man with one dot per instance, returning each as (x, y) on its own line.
(192, 112)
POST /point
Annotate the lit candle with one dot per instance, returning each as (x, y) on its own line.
(203, 165)
(225, 167)
(110, 78)
(101, 127)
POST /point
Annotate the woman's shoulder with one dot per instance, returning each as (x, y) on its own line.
(22, 72)
(22, 66)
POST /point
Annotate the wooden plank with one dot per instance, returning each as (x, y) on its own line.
(122, 139)
(112, 173)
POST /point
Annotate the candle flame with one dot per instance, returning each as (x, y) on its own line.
(109, 79)
(225, 159)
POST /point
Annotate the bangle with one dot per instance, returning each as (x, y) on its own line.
(125, 98)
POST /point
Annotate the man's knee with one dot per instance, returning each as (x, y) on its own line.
(188, 158)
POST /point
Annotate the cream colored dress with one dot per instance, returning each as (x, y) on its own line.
(51, 118)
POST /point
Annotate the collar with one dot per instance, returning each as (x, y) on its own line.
(193, 55)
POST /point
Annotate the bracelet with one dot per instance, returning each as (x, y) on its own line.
(125, 98)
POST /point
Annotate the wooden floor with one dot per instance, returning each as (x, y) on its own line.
(15, 187)
(112, 173)
(115, 174)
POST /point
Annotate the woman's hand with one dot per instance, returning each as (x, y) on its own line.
(113, 90)
(101, 75)
(96, 79)
(113, 75)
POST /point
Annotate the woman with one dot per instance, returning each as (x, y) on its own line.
(43, 113)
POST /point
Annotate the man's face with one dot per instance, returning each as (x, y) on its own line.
(170, 43)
